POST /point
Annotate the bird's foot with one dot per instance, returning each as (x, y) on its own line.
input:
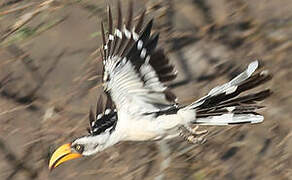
(195, 131)
(193, 135)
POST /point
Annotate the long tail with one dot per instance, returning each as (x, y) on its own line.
(222, 106)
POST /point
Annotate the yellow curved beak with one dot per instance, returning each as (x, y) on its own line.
(61, 155)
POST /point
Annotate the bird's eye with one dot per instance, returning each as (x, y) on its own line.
(79, 148)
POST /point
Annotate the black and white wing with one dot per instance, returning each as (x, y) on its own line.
(134, 71)
(105, 118)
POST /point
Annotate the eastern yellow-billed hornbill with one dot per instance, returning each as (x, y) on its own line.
(139, 106)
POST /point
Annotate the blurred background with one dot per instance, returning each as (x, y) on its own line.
(48, 81)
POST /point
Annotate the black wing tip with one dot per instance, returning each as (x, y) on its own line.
(130, 15)
(91, 115)
(140, 21)
(150, 23)
(148, 27)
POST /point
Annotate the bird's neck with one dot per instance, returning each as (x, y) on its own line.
(114, 138)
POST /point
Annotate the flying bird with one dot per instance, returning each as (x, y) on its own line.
(137, 105)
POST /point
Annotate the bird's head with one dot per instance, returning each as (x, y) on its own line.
(83, 146)
(101, 135)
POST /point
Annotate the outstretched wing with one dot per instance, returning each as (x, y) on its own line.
(134, 72)
(105, 118)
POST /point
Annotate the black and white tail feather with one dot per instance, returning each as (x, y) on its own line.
(221, 106)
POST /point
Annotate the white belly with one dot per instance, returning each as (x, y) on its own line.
(147, 128)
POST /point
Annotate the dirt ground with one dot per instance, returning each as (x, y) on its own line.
(48, 82)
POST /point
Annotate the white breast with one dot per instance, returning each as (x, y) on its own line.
(145, 128)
